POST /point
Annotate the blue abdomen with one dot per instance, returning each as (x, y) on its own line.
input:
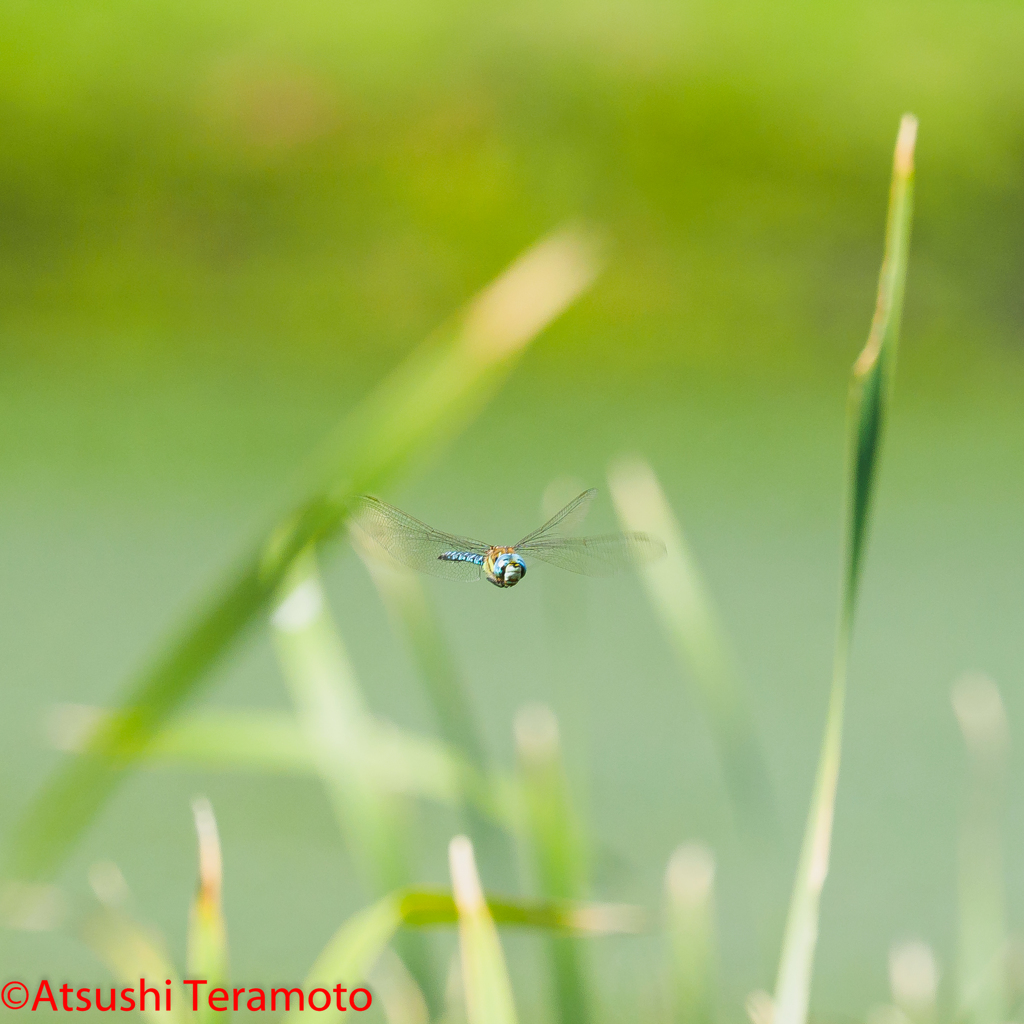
(461, 556)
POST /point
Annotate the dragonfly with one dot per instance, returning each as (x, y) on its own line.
(425, 549)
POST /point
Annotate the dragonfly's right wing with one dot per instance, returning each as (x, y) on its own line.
(414, 544)
(561, 522)
(596, 556)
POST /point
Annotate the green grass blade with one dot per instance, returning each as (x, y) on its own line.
(431, 397)
(690, 927)
(339, 729)
(413, 617)
(410, 611)
(206, 950)
(425, 908)
(352, 951)
(131, 951)
(242, 739)
(869, 396)
(557, 849)
(395, 989)
(259, 741)
(680, 599)
(350, 954)
(982, 996)
(273, 742)
(488, 991)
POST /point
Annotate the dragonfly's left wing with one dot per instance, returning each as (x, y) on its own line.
(417, 545)
(595, 556)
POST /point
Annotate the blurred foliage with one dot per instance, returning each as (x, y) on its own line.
(250, 174)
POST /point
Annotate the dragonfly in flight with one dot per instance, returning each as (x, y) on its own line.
(421, 547)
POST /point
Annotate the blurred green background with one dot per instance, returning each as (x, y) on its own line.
(221, 223)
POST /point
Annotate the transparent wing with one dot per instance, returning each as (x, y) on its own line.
(413, 543)
(570, 517)
(596, 556)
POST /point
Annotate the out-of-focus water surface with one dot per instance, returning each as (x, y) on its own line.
(220, 224)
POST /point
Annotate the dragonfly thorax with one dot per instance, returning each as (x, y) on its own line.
(503, 567)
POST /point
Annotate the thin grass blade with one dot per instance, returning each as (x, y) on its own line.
(424, 909)
(557, 849)
(432, 396)
(869, 398)
(243, 739)
(982, 996)
(412, 617)
(348, 957)
(131, 951)
(206, 951)
(488, 991)
(335, 723)
(679, 597)
(397, 991)
(339, 730)
(690, 932)
(273, 742)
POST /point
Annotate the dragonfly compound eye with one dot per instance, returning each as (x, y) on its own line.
(511, 569)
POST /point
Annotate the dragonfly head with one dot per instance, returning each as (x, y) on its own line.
(508, 569)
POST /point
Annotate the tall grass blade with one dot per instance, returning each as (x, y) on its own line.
(334, 722)
(680, 599)
(409, 609)
(557, 847)
(428, 399)
(690, 927)
(413, 617)
(206, 952)
(982, 995)
(869, 397)
(485, 981)
(338, 727)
